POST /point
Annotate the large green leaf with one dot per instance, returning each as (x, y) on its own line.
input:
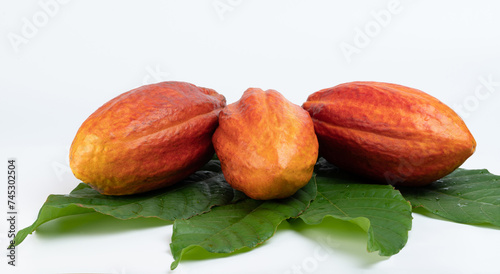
(464, 196)
(228, 228)
(195, 195)
(379, 209)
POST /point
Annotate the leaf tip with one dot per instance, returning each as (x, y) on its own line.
(174, 264)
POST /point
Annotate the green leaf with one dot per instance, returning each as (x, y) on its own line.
(195, 195)
(228, 228)
(464, 196)
(380, 210)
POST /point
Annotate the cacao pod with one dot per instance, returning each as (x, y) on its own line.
(147, 138)
(388, 132)
(266, 145)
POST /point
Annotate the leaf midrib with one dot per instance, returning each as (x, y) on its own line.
(240, 219)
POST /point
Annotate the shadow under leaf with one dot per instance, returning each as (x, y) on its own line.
(336, 235)
(95, 223)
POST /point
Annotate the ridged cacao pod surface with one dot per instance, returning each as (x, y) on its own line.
(388, 132)
(147, 138)
(266, 145)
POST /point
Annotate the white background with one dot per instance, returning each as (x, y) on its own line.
(60, 61)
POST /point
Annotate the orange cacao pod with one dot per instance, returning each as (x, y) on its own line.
(389, 132)
(147, 138)
(266, 145)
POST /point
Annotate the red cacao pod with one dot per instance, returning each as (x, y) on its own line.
(388, 132)
(146, 138)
